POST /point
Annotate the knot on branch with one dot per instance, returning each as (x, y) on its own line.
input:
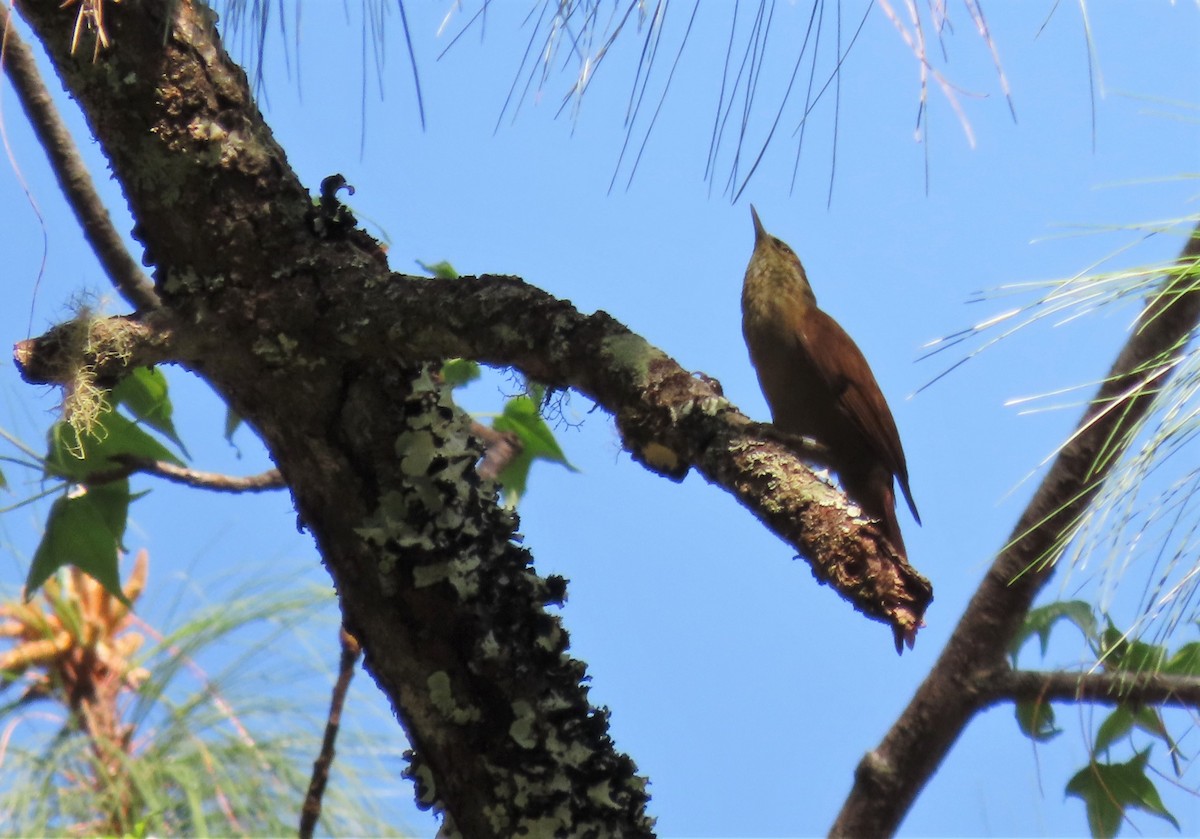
(676, 421)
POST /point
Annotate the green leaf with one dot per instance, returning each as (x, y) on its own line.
(232, 421)
(3, 480)
(1115, 726)
(83, 530)
(521, 417)
(1124, 718)
(1150, 721)
(1036, 720)
(440, 270)
(114, 435)
(112, 501)
(1119, 653)
(1109, 789)
(144, 393)
(1185, 662)
(458, 371)
(1041, 620)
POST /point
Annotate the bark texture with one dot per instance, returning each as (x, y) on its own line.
(295, 319)
(380, 462)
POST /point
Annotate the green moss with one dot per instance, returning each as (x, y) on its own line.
(631, 353)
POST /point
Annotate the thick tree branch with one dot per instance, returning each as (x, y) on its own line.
(72, 174)
(889, 778)
(452, 620)
(670, 420)
(300, 327)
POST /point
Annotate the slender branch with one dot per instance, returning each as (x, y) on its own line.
(890, 777)
(311, 811)
(70, 170)
(214, 481)
(1100, 688)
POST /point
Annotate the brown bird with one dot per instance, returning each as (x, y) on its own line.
(818, 384)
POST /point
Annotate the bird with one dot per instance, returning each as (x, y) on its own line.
(818, 383)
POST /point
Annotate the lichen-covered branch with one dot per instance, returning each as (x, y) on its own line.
(890, 776)
(453, 622)
(670, 420)
(108, 348)
(295, 320)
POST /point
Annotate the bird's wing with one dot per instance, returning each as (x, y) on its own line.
(846, 372)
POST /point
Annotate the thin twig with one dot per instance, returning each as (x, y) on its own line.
(72, 173)
(131, 464)
(311, 810)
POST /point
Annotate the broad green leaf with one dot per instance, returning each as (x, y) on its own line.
(1185, 662)
(521, 417)
(115, 435)
(112, 501)
(144, 393)
(1119, 653)
(1109, 789)
(83, 530)
(1150, 720)
(1041, 620)
(514, 477)
(1036, 720)
(1115, 726)
(1124, 718)
(440, 270)
(458, 371)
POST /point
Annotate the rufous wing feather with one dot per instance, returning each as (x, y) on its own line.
(846, 372)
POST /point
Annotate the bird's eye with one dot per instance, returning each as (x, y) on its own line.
(782, 245)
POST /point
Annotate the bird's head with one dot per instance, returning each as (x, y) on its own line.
(774, 265)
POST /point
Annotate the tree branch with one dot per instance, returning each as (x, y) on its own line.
(72, 174)
(214, 481)
(670, 420)
(305, 334)
(454, 623)
(889, 777)
(1100, 688)
(310, 813)
(107, 347)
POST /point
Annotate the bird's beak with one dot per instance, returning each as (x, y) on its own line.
(759, 232)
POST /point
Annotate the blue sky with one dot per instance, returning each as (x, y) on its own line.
(743, 690)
